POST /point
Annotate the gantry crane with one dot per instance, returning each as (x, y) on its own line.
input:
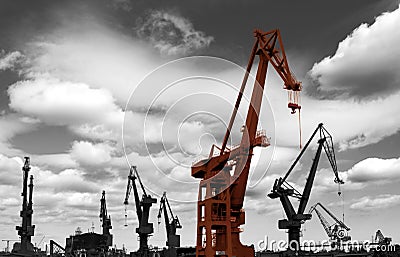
(26, 230)
(221, 194)
(105, 219)
(337, 232)
(282, 189)
(145, 228)
(172, 223)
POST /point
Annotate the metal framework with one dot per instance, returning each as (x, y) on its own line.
(381, 239)
(337, 232)
(105, 219)
(221, 193)
(145, 228)
(172, 222)
(26, 230)
(282, 189)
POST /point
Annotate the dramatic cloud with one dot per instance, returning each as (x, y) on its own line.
(172, 34)
(116, 62)
(374, 170)
(380, 202)
(365, 64)
(9, 60)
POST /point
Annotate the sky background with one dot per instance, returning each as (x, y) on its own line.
(88, 88)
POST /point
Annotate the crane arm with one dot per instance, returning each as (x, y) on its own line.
(341, 224)
(330, 152)
(310, 180)
(270, 50)
(326, 142)
(140, 181)
(163, 208)
(132, 185)
(276, 55)
(299, 156)
(322, 219)
(175, 219)
(266, 45)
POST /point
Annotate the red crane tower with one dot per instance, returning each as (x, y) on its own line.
(221, 194)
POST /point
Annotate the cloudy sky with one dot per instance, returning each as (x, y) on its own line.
(88, 88)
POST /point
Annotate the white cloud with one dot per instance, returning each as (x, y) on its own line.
(172, 34)
(69, 180)
(87, 153)
(366, 63)
(116, 62)
(379, 202)
(58, 102)
(54, 162)
(9, 60)
(372, 170)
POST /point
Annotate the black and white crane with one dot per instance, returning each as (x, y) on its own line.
(105, 219)
(337, 231)
(172, 222)
(145, 228)
(283, 190)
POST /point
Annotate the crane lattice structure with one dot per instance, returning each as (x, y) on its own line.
(221, 193)
(282, 189)
(337, 231)
(172, 222)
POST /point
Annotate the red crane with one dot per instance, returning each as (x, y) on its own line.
(221, 194)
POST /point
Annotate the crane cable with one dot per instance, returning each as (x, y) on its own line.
(300, 130)
(126, 217)
(342, 198)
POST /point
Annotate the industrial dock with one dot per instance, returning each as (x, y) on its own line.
(199, 129)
